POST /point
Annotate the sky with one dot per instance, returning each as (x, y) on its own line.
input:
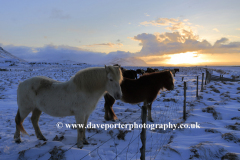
(155, 32)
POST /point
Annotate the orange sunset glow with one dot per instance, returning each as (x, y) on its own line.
(171, 36)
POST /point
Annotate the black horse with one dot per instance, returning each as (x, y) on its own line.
(140, 71)
(131, 74)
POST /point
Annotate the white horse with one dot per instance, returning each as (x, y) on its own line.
(78, 97)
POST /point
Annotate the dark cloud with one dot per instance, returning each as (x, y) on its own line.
(58, 53)
(221, 41)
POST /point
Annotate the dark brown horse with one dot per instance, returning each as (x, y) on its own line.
(144, 89)
(176, 70)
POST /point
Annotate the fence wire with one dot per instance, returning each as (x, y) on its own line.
(170, 109)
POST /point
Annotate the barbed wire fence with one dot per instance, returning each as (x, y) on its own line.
(170, 111)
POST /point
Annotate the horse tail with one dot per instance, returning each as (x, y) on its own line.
(19, 123)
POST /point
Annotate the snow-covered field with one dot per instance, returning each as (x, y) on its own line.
(227, 72)
(217, 110)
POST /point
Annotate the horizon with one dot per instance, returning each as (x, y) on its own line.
(156, 33)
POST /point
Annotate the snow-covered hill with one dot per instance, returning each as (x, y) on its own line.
(6, 56)
(130, 61)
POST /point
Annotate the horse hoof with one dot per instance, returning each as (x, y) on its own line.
(115, 118)
(151, 120)
(18, 141)
(106, 118)
(43, 138)
(85, 142)
(80, 145)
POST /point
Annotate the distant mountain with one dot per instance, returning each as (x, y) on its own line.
(130, 61)
(6, 56)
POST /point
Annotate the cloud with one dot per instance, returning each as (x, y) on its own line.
(176, 42)
(181, 39)
(172, 24)
(160, 22)
(215, 29)
(221, 41)
(146, 14)
(58, 14)
(112, 45)
(52, 53)
(157, 59)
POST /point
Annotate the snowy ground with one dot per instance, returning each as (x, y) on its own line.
(217, 111)
(227, 72)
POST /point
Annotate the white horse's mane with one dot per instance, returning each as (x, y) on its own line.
(92, 79)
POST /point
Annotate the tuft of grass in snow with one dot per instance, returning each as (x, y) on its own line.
(212, 130)
(21, 155)
(235, 118)
(215, 90)
(207, 150)
(56, 138)
(236, 126)
(210, 109)
(121, 135)
(57, 154)
(230, 137)
(230, 156)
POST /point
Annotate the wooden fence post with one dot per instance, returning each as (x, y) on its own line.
(202, 82)
(143, 133)
(197, 87)
(182, 78)
(210, 77)
(206, 77)
(184, 103)
(233, 78)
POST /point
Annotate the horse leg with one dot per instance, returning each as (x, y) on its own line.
(144, 104)
(149, 106)
(106, 107)
(109, 113)
(21, 115)
(113, 115)
(84, 130)
(80, 118)
(35, 118)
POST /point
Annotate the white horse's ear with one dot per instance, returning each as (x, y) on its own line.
(107, 69)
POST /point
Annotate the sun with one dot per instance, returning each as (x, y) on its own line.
(185, 58)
